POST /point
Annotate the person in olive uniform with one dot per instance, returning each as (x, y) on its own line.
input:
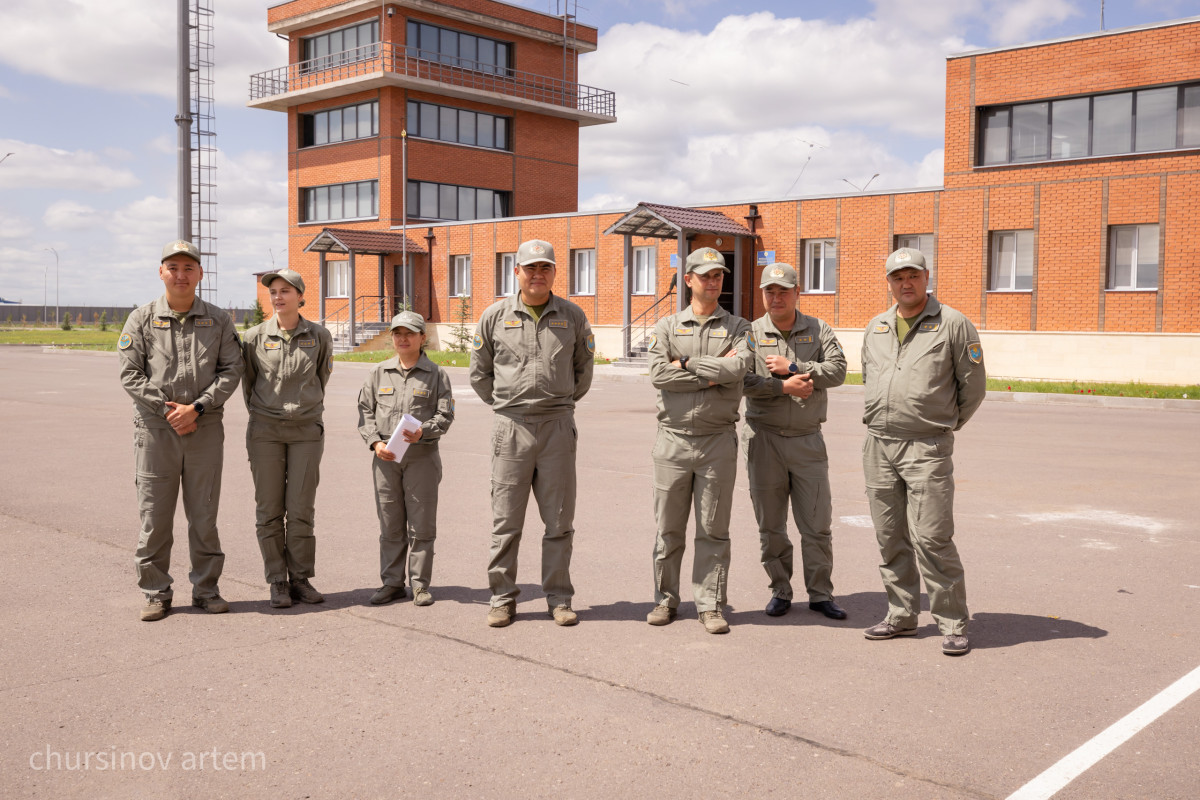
(288, 362)
(180, 362)
(924, 377)
(532, 361)
(695, 366)
(406, 487)
(792, 359)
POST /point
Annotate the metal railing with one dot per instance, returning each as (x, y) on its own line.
(427, 65)
(638, 329)
(368, 309)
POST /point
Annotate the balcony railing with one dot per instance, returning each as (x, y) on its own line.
(425, 65)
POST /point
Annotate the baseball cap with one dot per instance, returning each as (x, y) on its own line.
(408, 319)
(778, 274)
(705, 260)
(535, 251)
(903, 258)
(289, 275)
(180, 247)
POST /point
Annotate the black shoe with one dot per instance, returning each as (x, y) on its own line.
(778, 606)
(386, 594)
(828, 608)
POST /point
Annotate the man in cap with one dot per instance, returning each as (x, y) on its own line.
(180, 362)
(695, 366)
(792, 359)
(924, 377)
(532, 361)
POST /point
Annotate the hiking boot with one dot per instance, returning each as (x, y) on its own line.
(886, 630)
(661, 615)
(280, 595)
(563, 615)
(213, 605)
(955, 645)
(303, 591)
(155, 609)
(422, 597)
(714, 621)
(386, 594)
(501, 616)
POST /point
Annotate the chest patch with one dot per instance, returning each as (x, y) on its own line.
(420, 393)
(882, 328)
(272, 344)
(804, 339)
(204, 323)
(387, 390)
(930, 326)
(768, 340)
(512, 323)
(558, 323)
(161, 323)
(718, 333)
(683, 331)
(307, 342)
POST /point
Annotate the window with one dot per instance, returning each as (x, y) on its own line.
(1145, 120)
(820, 265)
(506, 277)
(430, 121)
(643, 270)
(337, 278)
(460, 276)
(1133, 257)
(458, 49)
(340, 124)
(343, 46)
(583, 272)
(340, 201)
(442, 201)
(1012, 261)
(924, 243)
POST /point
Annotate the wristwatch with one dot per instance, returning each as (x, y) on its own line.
(683, 361)
(199, 409)
(793, 368)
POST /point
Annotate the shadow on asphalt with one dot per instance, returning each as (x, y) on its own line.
(335, 601)
(991, 630)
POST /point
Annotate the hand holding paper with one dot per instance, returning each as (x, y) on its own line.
(406, 432)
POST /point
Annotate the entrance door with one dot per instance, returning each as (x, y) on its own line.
(726, 301)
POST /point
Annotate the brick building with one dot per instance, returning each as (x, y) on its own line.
(1066, 226)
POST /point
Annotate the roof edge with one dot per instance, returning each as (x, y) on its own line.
(1077, 37)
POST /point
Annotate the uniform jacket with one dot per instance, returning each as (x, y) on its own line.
(812, 345)
(686, 402)
(530, 370)
(927, 385)
(388, 394)
(198, 360)
(286, 380)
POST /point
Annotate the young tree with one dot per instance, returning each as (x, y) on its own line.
(104, 320)
(66, 322)
(460, 334)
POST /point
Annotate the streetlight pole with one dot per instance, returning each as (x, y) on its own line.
(52, 250)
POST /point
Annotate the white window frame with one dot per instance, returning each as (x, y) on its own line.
(337, 278)
(814, 266)
(506, 274)
(583, 271)
(1003, 275)
(460, 276)
(1134, 266)
(644, 269)
(928, 247)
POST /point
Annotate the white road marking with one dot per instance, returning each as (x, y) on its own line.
(1102, 518)
(861, 521)
(1075, 764)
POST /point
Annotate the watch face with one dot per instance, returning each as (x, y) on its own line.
(793, 368)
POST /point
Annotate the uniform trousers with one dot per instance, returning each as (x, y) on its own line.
(537, 456)
(910, 488)
(164, 462)
(285, 462)
(796, 469)
(700, 471)
(406, 500)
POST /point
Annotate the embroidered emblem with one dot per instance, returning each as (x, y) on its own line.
(512, 323)
(653, 340)
(386, 390)
(903, 256)
(804, 339)
(161, 323)
(768, 340)
(882, 328)
(307, 342)
(777, 273)
(558, 323)
(975, 352)
(538, 250)
(712, 255)
(929, 326)
(477, 341)
(420, 393)
(685, 331)
(750, 342)
(271, 344)
(204, 323)
(591, 343)
(331, 363)
(125, 341)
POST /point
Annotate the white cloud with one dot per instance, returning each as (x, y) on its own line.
(34, 166)
(66, 215)
(1003, 21)
(4, 92)
(1018, 21)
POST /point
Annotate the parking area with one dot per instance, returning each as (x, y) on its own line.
(1077, 525)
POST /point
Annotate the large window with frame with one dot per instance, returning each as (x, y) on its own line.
(506, 274)
(428, 200)
(466, 50)
(583, 271)
(1134, 121)
(339, 201)
(337, 278)
(1133, 257)
(458, 125)
(460, 276)
(820, 265)
(644, 279)
(1012, 261)
(343, 46)
(340, 124)
(923, 242)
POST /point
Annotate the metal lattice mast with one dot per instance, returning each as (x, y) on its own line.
(204, 144)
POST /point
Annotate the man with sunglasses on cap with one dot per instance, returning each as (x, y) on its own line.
(792, 360)
(531, 361)
(180, 361)
(923, 378)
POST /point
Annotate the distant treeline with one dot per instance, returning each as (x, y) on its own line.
(13, 314)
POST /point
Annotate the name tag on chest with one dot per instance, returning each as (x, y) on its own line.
(558, 323)
(386, 390)
(930, 326)
(420, 393)
(804, 340)
(768, 341)
(718, 333)
(161, 323)
(307, 342)
(272, 345)
(683, 331)
(512, 323)
(882, 328)
(204, 323)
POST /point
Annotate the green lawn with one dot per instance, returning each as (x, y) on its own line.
(83, 337)
(443, 358)
(1080, 387)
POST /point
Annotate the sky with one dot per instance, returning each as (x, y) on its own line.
(717, 100)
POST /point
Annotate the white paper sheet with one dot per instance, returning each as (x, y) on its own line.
(397, 444)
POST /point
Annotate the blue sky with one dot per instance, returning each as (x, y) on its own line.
(716, 101)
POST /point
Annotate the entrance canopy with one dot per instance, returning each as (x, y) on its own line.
(374, 243)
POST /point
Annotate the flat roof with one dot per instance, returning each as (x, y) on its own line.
(1078, 37)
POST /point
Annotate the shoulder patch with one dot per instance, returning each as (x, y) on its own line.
(751, 343)
(930, 326)
(125, 341)
(653, 340)
(559, 323)
(161, 323)
(307, 342)
(271, 344)
(477, 341)
(331, 363)
(975, 352)
(204, 323)
(512, 323)
(386, 390)
(591, 343)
